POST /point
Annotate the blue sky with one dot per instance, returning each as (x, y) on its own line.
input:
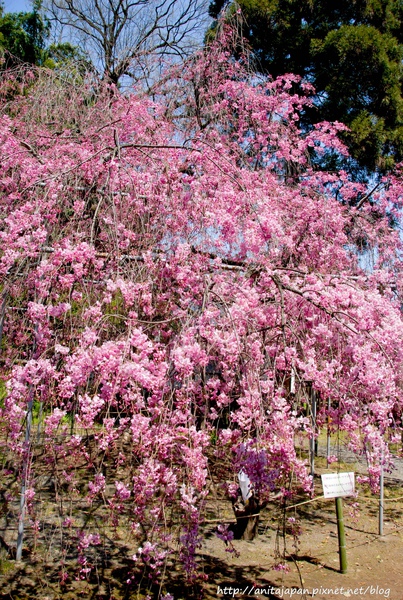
(16, 5)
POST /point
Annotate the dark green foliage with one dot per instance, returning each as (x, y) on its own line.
(24, 35)
(351, 51)
(24, 38)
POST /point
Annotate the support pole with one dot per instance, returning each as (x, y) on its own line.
(341, 536)
(40, 422)
(381, 489)
(328, 433)
(292, 381)
(26, 460)
(25, 473)
(2, 315)
(312, 441)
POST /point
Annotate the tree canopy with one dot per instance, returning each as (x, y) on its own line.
(165, 274)
(351, 51)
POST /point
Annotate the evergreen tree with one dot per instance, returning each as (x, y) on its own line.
(351, 51)
(24, 35)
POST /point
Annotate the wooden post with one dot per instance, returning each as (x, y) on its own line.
(341, 535)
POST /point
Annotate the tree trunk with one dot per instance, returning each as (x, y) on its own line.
(247, 517)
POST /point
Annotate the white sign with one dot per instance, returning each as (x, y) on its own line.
(337, 485)
(245, 485)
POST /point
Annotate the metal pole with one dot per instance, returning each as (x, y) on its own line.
(40, 419)
(341, 535)
(328, 433)
(25, 473)
(292, 381)
(2, 315)
(312, 444)
(381, 487)
(26, 459)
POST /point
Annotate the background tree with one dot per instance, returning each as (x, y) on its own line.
(351, 51)
(25, 38)
(120, 35)
(24, 35)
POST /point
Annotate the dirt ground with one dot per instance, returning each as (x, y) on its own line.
(375, 563)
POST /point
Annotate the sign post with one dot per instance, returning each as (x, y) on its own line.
(341, 535)
(339, 485)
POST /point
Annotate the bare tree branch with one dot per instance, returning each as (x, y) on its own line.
(115, 33)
